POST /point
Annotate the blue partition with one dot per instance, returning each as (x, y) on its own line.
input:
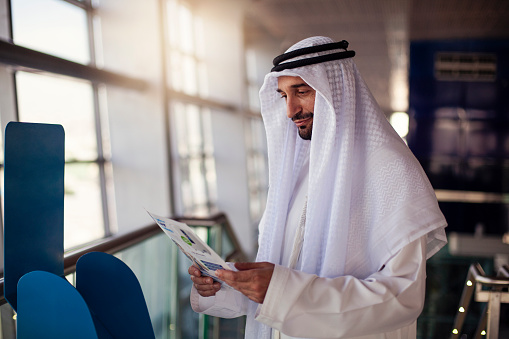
(50, 307)
(107, 302)
(459, 126)
(34, 202)
(114, 297)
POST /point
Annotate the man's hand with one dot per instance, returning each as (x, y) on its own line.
(205, 286)
(252, 279)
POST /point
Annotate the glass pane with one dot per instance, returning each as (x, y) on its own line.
(210, 168)
(199, 37)
(185, 185)
(190, 79)
(186, 29)
(194, 131)
(203, 80)
(83, 221)
(192, 127)
(208, 143)
(179, 128)
(53, 27)
(172, 22)
(197, 177)
(175, 76)
(253, 97)
(157, 279)
(251, 65)
(47, 99)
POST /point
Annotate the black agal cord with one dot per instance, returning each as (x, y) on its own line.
(278, 66)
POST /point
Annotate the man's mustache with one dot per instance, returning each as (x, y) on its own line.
(302, 116)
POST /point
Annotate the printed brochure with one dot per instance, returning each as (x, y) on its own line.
(202, 256)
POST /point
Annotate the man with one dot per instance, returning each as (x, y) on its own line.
(350, 219)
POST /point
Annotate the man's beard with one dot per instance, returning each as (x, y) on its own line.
(304, 131)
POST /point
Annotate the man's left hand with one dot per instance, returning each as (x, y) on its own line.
(252, 279)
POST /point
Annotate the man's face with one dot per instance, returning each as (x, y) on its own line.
(300, 103)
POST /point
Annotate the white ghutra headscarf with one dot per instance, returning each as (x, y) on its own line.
(367, 195)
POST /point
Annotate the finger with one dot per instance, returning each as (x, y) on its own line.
(231, 276)
(241, 280)
(202, 280)
(194, 271)
(207, 290)
(208, 287)
(252, 265)
(253, 283)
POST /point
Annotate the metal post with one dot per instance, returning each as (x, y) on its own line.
(493, 315)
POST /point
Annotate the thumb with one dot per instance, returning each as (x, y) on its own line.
(251, 265)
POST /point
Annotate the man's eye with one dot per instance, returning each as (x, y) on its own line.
(303, 92)
(283, 96)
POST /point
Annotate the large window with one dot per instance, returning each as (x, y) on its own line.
(190, 122)
(257, 168)
(256, 144)
(70, 103)
(187, 71)
(65, 31)
(196, 167)
(53, 27)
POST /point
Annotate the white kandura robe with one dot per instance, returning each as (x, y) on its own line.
(385, 305)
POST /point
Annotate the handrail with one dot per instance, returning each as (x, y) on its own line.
(118, 242)
(480, 277)
(504, 271)
(476, 280)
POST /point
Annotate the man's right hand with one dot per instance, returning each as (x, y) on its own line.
(205, 286)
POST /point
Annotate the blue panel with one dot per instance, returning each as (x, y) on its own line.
(444, 173)
(435, 137)
(481, 95)
(49, 307)
(34, 202)
(482, 139)
(473, 155)
(426, 95)
(422, 54)
(464, 217)
(114, 297)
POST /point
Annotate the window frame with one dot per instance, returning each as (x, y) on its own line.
(14, 58)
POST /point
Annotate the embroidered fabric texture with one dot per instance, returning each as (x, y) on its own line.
(368, 196)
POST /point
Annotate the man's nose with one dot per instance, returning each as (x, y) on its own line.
(292, 107)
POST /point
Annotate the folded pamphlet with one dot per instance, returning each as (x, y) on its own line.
(202, 256)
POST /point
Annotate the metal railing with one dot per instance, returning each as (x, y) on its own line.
(217, 224)
(490, 290)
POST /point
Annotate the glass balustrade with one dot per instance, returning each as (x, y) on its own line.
(162, 272)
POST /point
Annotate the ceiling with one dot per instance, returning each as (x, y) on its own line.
(379, 31)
